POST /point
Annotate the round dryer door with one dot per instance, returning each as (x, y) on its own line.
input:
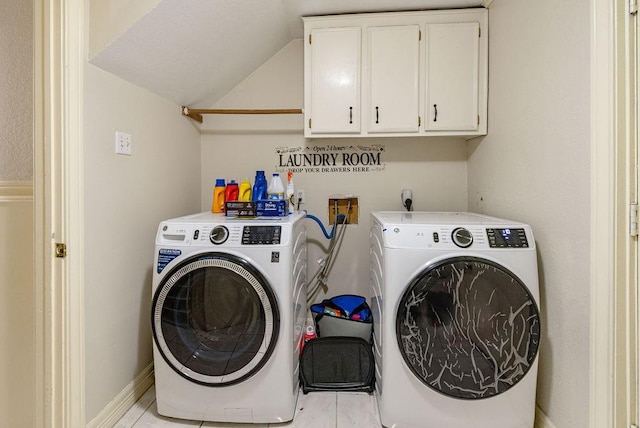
(215, 319)
(468, 328)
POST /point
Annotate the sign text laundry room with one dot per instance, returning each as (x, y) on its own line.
(331, 158)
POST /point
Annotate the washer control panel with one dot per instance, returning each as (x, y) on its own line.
(261, 235)
(507, 238)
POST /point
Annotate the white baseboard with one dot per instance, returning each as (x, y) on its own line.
(116, 409)
(542, 420)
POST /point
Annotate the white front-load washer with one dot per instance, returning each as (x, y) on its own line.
(455, 302)
(229, 304)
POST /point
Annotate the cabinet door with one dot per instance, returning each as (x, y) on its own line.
(394, 57)
(334, 71)
(452, 76)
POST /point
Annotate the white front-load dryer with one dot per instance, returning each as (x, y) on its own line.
(229, 304)
(456, 321)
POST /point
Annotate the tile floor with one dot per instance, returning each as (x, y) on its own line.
(314, 410)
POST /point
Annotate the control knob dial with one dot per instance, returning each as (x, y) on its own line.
(462, 237)
(218, 235)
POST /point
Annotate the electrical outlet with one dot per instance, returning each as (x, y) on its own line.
(123, 143)
(299, 196)
(347, 206)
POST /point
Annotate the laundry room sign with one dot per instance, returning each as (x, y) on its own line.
(348, 158)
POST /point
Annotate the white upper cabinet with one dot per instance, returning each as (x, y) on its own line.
(394, 70)
(452, 76)
(333, 80)
(396, 74)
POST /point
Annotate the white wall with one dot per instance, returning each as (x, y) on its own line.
(236, 146)
(16, 87)
(533, 166)
(125, 199)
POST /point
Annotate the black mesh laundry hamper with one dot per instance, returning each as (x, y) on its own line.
(337, 363)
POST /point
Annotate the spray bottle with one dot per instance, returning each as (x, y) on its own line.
(291, 193)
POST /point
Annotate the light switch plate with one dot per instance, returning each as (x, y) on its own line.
(123, 143)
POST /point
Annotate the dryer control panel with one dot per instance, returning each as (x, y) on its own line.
(451, 231)
(507, 238)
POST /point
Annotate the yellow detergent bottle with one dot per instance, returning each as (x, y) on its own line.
(245, 191)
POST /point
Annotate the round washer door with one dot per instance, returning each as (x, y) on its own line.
(468, 328)
(215, 319)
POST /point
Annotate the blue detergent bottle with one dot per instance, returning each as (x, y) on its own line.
(259, 187)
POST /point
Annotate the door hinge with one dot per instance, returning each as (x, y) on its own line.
(479, 32)
(61, 250)
(309, 38)
(478, 119)
(633, 7)
(633, 219)
(419, 121)
(419, 35)
(309, 123)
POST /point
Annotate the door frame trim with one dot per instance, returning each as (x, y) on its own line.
(607, 202)
(59, 45)
(59, 58)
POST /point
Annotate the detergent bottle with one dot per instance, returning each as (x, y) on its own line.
(275, 189)
(244, 191)
(259, 187)
(218, 196)
(231, 192)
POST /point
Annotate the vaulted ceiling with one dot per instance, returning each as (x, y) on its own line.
(194, 52)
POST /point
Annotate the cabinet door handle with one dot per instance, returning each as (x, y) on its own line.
(435, 112)
(350, 114)
(377, 115)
